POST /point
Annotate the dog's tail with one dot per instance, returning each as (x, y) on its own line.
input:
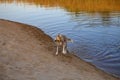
(69, 40)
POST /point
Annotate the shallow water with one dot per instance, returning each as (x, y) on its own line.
(96, 32)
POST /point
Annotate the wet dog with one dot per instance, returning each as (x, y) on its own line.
(61, 41)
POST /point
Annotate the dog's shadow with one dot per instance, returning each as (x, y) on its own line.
(68, 57)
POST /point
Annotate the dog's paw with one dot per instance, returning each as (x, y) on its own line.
(64, 52)
(56, 53)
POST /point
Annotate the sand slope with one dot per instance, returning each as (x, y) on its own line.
(27, 53)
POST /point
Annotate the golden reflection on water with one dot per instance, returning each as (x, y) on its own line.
(73, 5)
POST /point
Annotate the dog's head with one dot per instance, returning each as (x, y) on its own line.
(62, 38)
(59, 39)
(59, 43)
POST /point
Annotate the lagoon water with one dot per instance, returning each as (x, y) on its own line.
(95, 29)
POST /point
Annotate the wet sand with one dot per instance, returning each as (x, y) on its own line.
(27, 53)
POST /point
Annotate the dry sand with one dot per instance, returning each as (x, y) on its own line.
(27, 53)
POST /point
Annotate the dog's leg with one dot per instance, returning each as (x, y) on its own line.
(64, 49)
(57, 51)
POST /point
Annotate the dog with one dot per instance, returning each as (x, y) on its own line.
(61, 41)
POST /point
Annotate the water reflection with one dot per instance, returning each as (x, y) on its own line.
(106, 18)
(97, 19)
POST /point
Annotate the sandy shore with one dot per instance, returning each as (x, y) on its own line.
(27, 53)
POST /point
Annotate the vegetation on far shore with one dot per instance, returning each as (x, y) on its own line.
(73, 5)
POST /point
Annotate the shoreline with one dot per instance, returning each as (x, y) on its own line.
(24, 40)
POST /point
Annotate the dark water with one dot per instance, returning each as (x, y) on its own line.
(96, 32)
